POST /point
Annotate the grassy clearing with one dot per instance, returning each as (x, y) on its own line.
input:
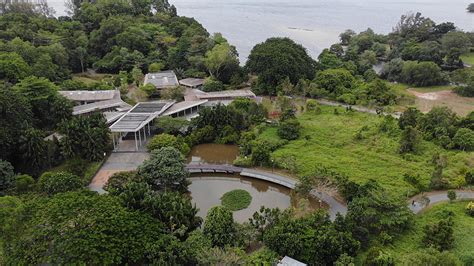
(237, 199)
(328, 141)
(468, 58)
(463, 232)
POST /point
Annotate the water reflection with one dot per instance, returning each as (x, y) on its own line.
(206, 191)
(213, 154)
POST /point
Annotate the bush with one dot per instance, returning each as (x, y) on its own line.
(289, 129)
(167, 140)
(464, 139)
(116, 183)
(237, 199)
(149, 89)
(53, 183)
(440, 235)
(469, 177)
(313, 106)
(422, 74)
(219, 226)
(212, 85)
(7, 177)
(470, 208)
(451, 195)
(23, 183)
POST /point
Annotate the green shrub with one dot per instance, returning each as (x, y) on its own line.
(7, 177)
(289, 129)
(312, 106)
(53, 183)
(237, 199)
(451, 195)
(243, 161)
(23, 183)
(470, 208)
(212, 85)
(440, 235)
(167, 140)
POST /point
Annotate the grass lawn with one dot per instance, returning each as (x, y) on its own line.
(237, 199)
(463, 232)
(468, 58)
(328, 141)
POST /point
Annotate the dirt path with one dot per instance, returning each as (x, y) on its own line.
(425, 101)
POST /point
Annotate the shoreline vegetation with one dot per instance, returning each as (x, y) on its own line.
(372, 160)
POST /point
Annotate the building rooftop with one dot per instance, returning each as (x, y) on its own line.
(287, 261)
(84, 96)
(191, 82)
(226, 94)
(164, 79)
(140, 115)
(181, 106)
(98, 106)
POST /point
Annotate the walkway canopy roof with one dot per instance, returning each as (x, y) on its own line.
(139, 116)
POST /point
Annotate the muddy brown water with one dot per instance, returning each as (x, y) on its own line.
(206, 191)
(213, 154)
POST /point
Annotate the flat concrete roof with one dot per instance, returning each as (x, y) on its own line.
(191, 82)
(81, 96)
(181, 106)
(227, 94)
(164, 79)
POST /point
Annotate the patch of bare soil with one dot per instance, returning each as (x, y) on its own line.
(426, 101)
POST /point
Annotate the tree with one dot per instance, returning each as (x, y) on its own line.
(86, 137)
(289, 129)
(409, 117)
(421, 74)
(84, 227)
(219, 226)
(165, 170)
(222, 56)
(172, 125)
(167, 140)
(13, 67)
(137, 75)
(410, 140)
(15, 116)
(464, 139)
(440, 235)
(470, 209)
(335, 81)
(53, 183)
(23, 183)
(33, 149)
(456, 39)
(7, 177)
(346, 36)
(278, 58)
(48, 106)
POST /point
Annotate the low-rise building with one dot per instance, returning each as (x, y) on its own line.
(162, 80)
(192, 83)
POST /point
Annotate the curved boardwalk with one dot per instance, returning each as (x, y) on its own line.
(334, 205)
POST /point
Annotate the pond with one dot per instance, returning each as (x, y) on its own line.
(206, 191)
(213, 154)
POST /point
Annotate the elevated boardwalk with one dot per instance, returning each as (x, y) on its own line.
(334, 205)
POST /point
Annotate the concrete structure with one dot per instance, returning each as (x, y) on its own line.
(216, 97)
(192, 83)
(287, 261)
(162, 80)
(138, 120)
(87, 102)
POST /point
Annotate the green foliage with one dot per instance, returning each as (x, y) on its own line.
(313, 106)
(23, 183)
(431, 257)
(213, 85)
(289, 129)
(235, 200)
(13, 67)
(34, 151)
(464, 139)
(278, 58)
(409, 118)
(470, 209)
(167, 140)
(53, 183)
(336, 81)
(7, 177)
(263, 256)
(104, 232)
(86, 137)
(410, 140)
(439, 235)
(219, 226)
(165, 170)
(313, 238)
(421, 74)
(377, 257)
(221, 59)
(116, 183)
(171, 125)
(451, 195)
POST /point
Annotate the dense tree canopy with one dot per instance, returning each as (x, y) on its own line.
(278, 58)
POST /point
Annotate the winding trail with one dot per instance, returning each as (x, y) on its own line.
(417, 203)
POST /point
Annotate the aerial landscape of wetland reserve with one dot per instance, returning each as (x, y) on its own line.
(236, 132)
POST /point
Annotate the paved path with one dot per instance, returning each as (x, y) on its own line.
(356, 108)
(417, 204)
